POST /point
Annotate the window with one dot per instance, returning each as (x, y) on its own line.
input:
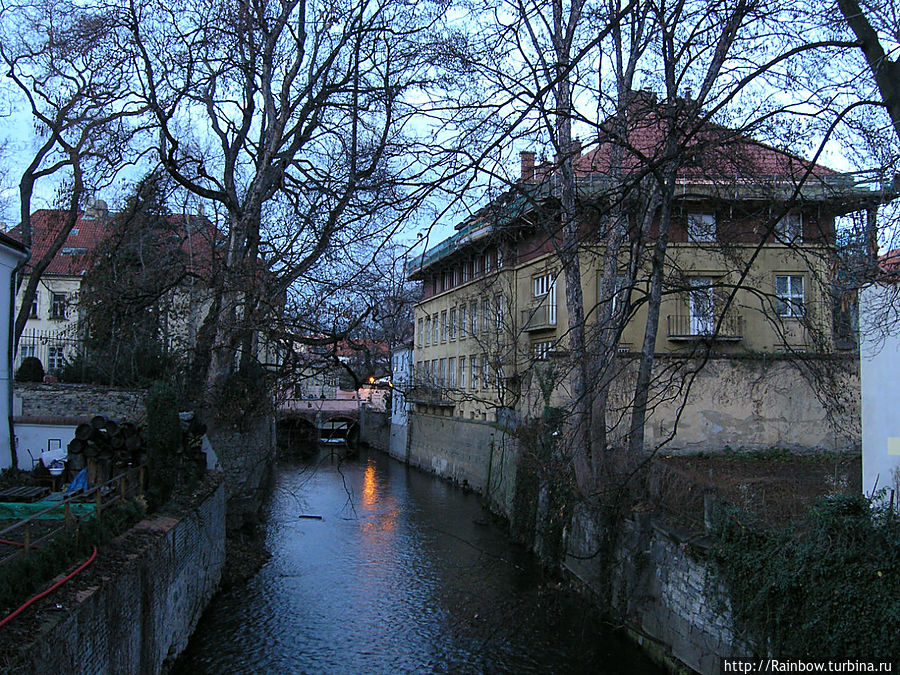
(487, 262)
(434, 329)
(462, 372)
(421, 333)
(473, 367)
(542, 350)
(55, 357)
(702, 226)
(427, 330)
(543, 284)
(442, 372)
(485, 372)
(499, 258)
(486, 314)
(451, 371)
(789, 296)
(34, 306)
(453, 323)
(456, 276)
(462, 322)
(474, 315)
(57, 305)
(498, 317)
(444, 326)
(466, 271)
(789, 228)
(446, 280)
(701, 306)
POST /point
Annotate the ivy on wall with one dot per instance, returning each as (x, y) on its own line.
(827, 589)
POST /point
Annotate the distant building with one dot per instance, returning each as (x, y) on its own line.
(401, 382)
(53, 332)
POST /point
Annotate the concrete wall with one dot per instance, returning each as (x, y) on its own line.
(375, 427)
(145, 613)
(879, 317)
(475, 453)
(756, 403)
(671, 601)
(397, 447)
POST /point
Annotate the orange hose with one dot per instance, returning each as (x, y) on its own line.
(49, 590)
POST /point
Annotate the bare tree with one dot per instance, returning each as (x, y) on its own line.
(64, 60)
(300, 110)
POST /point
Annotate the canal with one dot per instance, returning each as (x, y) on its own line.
(403, 573)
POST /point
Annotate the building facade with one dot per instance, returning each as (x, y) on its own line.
(747, 272)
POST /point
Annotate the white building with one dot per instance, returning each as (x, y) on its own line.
(879, 318)
(11, 254)
(401, 381)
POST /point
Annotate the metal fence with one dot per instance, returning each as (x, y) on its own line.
(53, 348)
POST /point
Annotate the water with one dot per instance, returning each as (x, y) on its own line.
(403, 574)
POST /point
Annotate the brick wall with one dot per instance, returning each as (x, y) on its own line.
(135, 621)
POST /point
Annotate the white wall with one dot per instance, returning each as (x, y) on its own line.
(8, 260)
(879, 320)
(35, 437)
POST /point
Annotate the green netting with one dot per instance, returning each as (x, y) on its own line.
(17, 511)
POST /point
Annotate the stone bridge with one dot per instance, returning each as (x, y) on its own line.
(304, 421)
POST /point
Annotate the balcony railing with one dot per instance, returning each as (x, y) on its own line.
(686, 327)
(539, 318)
(430, 394)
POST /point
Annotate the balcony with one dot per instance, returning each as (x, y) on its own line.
(430, 394)
(684, 328)
(540, 317)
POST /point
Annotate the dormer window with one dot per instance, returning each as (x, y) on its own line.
(789, 229)
(72, 250)
(701, 226)
(73, 231)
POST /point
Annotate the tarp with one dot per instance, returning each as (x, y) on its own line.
(18, 511)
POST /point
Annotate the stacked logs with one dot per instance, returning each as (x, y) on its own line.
(106, 447)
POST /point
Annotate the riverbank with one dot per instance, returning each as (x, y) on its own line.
(136, 604)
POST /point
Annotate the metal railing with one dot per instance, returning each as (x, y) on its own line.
(687, 327)
(115, 491)
(53, 348)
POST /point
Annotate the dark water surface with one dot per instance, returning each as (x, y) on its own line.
(403, 574)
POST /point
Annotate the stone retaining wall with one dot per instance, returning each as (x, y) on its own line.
(143, 616)
(78, 401)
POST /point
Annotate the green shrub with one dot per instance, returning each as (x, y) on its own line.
(828, 590)
(163, 442)
(31, 370)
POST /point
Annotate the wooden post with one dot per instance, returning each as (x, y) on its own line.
(27, 538)
(122, 488)
(99, 500)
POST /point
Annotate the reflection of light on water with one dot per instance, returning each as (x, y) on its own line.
(368, 493)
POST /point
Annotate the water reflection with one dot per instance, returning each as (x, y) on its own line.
(401, 575)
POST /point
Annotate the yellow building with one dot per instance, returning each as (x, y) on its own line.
(749, 268)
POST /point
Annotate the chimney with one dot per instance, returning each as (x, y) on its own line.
(527, 164)
(576, 149)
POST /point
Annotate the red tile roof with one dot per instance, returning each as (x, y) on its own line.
(77, 253)
(74, 256)
(890, 261)
(720, 152)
